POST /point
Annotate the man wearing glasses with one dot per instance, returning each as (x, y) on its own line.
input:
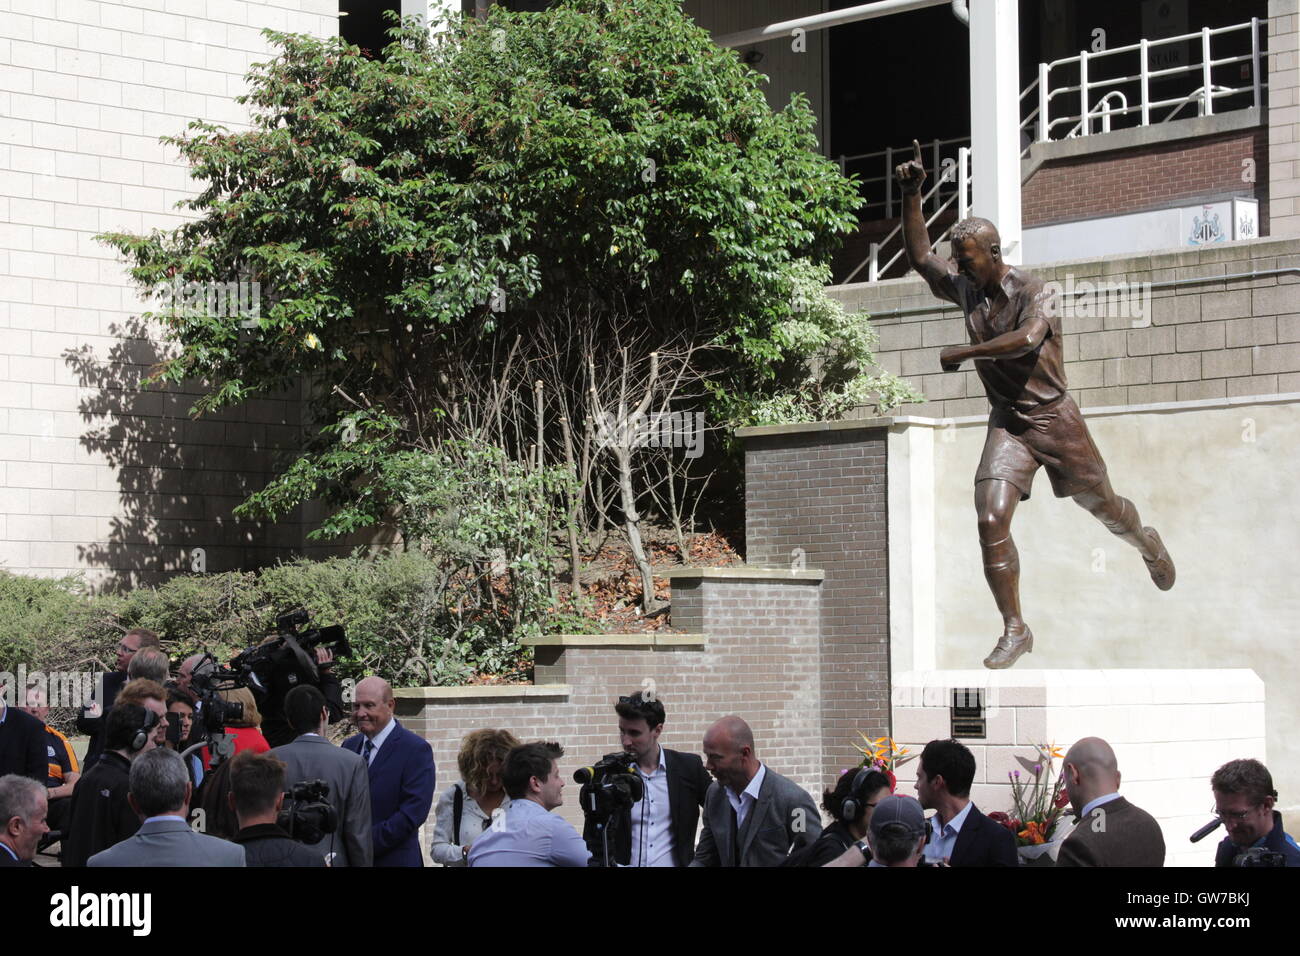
(1243, 800)
(91, 721)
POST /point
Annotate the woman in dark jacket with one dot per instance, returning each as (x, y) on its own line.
(850, 804)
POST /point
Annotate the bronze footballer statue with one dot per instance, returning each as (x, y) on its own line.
(1015, 334)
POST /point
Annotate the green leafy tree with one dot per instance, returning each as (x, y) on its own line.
(531, 198)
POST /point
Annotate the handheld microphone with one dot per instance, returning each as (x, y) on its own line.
(1206, 830)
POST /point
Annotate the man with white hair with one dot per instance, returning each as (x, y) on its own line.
(401, 773)
(22, 819)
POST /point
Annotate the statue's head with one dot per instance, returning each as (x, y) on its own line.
(977, 250)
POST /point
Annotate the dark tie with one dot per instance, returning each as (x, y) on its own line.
(367, 750)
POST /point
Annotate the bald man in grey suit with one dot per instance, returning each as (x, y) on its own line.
(160, 793)
(753, 816)
(1111, 831)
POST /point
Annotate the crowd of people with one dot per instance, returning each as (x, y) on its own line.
(148, 793)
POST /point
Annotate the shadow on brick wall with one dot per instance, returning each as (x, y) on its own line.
(164, 502)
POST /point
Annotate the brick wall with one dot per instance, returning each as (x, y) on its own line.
(1149, 177)
(98, 475)
(1211, 339)
(759, 659)
(824, 491)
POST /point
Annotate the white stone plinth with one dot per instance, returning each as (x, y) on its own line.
(1171, 729)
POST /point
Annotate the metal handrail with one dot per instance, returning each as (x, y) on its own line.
(1181, 38)
(1080, 124)
(1199, 94)
(962, 198)
(1104, 108)
(933, 148)
(1113, 103)
(879, 270)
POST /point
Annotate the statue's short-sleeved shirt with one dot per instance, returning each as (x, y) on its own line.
(1033, 422)
(1023, 383)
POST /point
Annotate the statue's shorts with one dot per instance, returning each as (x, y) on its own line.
(1052, 435)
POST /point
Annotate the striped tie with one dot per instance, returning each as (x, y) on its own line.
(367, 750)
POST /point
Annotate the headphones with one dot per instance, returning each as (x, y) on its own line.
(854, 803)
(144, 733)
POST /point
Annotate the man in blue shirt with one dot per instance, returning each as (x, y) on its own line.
(960, 834)
(528, 834)
(1243, 800)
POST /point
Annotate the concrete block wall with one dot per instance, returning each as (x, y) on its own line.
(1171, 729)
(1284, 117)
(1206, 339)
(815, 496)
(758, 657)
(101, 476)
(1150, 177)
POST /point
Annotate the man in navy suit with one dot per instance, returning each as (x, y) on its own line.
(959, 834)
(401, 775)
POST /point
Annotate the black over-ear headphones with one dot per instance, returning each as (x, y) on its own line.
(853, 804)
(145, 732)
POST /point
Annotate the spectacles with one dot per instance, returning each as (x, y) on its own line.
(1233, 816)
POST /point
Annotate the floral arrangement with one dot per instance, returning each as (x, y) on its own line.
(881, 754)
(1038, 804)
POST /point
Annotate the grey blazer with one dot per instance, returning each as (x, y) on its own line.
(169, 842)
(783, 818)
(312, 757)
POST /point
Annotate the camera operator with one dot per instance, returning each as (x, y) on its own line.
(1243, 801)
(530, 834)
(289, 659)
(658, 829)
(257, 795)
(312, 757)
(244, 728)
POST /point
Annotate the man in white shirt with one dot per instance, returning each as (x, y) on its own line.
(753, 816)
(401, 773)
(529, 834)
(659, 829)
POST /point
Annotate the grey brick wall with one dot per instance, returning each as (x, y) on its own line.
(759, 660)
(1209, 339)
(825, 492)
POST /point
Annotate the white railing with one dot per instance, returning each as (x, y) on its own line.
(961, 195)
(934, 154)
(1099, 101)
(1082, 123)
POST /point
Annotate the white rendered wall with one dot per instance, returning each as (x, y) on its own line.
(1216, 479)
(86, 89)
